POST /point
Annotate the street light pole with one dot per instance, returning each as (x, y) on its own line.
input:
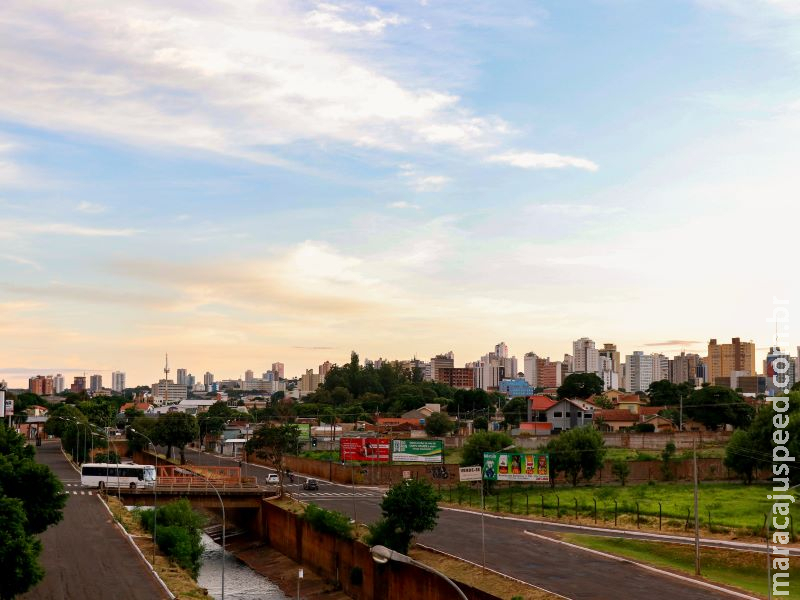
(155, 493)
(382, 555)
(222, 504)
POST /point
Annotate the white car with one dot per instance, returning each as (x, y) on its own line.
(272, 479)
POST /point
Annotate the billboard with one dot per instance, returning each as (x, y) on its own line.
(364, 449)
(469, 474)
(305, 432)
(504, 466)
(427, 451)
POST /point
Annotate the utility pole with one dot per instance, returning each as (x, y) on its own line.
(696, 515)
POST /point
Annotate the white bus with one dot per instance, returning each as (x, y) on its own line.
(100, 475)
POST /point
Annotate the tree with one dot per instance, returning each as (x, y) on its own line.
(580, 385)
(480, 442)
(438, 424)
(212, 422)
(19, 552)
(480, 424)
(515, 410)
(715, 406)
(271, 443)
(409, 507)
(603, 402)
(578, 453)
(742, 455)
(31, 499)
(145, 425)
(621, 470)
(176, 429)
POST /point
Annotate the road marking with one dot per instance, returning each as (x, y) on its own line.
(644, 566)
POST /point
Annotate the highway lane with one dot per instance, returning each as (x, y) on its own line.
(86, 555)
(570, 572)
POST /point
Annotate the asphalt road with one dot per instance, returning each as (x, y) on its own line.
(573, 573)
(86, 555)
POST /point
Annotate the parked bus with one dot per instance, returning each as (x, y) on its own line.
(100, 475)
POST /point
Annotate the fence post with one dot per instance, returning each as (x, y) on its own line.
(659, 516)
(595, 510)
(576, 508)
(615, 512)
(558, 507)
(543, 506)
(527, 503)
(638, 521)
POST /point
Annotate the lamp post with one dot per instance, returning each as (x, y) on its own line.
(155, 493)
(382, 555)
(108, 451)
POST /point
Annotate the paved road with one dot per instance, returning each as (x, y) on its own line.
(86, 555)
(573, 573)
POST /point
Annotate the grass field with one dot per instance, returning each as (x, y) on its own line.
(734, 508)
(745, 570)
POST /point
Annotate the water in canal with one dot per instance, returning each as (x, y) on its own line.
(241, 582)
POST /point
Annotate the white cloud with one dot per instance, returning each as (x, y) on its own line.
(332, 17)
(11, 173)
(91, 208)
(402, 204)
(421, 182)
(574, 210)
(21, 260)
(239, 78)
(533, 160)
(70, 229)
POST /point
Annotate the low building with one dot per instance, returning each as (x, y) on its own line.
(515, 388)
(570, 413)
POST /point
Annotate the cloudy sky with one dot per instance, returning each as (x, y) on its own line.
(242, 181)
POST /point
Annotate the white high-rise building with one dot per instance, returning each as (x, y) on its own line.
(118, 381)
(208, 380)
(660, 367)
(248, 375)
(58, 384)
(501, 350)
(95, 383)
(530, 369)
(584, 356)
(639, 367)
(180, 374)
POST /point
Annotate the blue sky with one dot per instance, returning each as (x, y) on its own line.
(239, 183)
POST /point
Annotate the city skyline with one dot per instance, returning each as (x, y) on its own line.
(293, 180)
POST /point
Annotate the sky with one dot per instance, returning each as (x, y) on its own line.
(241, 182)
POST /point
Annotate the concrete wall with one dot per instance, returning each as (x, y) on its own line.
(642, 441)
(335, 559)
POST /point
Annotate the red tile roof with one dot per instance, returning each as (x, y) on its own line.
(615, 414)
(541, 402)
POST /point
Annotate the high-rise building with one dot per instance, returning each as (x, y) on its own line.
(529, 369)
(779, 369)
(118, 381)
(96, 383)
(248, 375)
(58, 384)
(660, 367)
(191, 380)
(78, 384)
(441, 361)
(180, 376)
(724, 359)
(584, 356)
(683, 368)
(41, 385)
(277, 368)
(549, 374)
(309, 382)
(501, 350)
(639, 371)
(457, 377)
(567, 364)
(168, 391)
(324, 368)
(208, 380)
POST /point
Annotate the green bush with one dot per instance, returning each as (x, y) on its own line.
(328, 521)
(177, 533)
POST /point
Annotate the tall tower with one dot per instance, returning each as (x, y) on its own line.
(166, 378)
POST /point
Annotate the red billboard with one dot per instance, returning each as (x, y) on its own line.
(364, 449)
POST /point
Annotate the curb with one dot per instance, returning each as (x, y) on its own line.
(613, 557)
(474, 564)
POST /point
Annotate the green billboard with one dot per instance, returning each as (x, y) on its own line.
(504, 466)
(427, 451)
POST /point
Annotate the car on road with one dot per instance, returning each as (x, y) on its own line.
(310, 484)
(272, 479)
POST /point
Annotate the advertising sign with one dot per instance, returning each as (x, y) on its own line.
(469, 474)
(305, 432)
(427, 451)
(503, 466)
(364, 449)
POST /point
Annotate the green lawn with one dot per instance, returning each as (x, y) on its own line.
(628, 454)
(745, 570)
(734, 508)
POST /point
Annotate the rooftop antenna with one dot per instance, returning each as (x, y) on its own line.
(166, 378)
